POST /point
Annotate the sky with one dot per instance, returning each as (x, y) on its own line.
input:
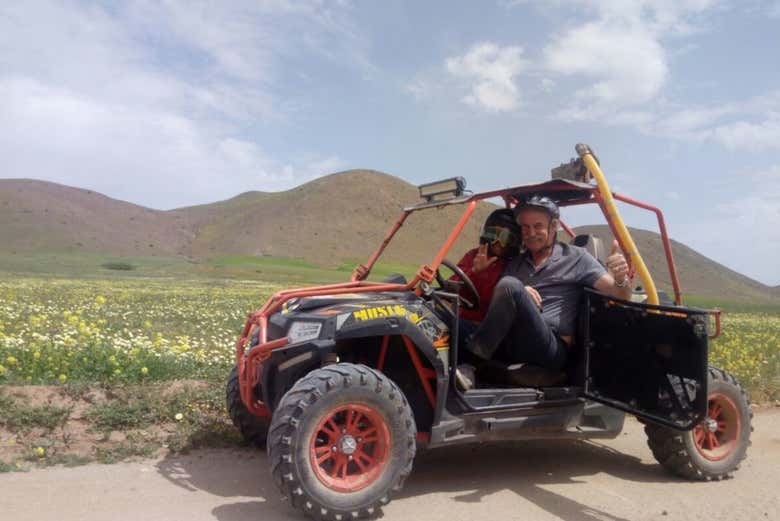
(175, 103)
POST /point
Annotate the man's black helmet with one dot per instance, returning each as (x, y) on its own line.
(541, 202)
(500, 226)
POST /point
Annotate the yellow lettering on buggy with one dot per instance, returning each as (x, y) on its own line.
(395, 310)
(360, 315)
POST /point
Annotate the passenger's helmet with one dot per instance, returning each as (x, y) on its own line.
(500, 226)
(541, 202)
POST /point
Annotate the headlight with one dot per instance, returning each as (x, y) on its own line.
(301, 331)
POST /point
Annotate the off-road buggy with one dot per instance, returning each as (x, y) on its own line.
(343, 382)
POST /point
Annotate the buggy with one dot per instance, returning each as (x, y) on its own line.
(344, 382)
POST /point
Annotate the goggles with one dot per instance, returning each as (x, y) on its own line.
(504, 236)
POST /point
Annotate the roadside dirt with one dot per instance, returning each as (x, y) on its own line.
(614, 480)
(78, 425)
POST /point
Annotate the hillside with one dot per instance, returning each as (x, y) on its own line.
(331, 219)
(338, 218)
(697, 274)
(38, 216)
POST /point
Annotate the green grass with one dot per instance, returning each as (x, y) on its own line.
(125, 450)
(18, 416)
(281, 270)
(149, 417)
(732, 306)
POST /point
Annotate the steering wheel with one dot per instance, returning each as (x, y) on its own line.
(471, 300)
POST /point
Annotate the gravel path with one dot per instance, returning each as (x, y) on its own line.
(606, 481)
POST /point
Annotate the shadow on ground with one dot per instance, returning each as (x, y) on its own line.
(467, 474)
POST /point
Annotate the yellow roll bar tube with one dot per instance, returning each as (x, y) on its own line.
(614, 218)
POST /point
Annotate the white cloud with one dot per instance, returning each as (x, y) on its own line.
(749, 125)
(156, 157)
(491, 71)
(620, 52)
(747, 224)
(419, 89)
(152, 102)
(628, 64)
(743, 135)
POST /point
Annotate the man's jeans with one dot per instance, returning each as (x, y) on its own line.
(513, 330)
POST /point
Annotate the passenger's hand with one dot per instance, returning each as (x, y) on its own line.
(535, 296)
(481, 259)
(616, 264)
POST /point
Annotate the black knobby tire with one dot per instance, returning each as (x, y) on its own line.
(254, 429)
(702, 453)
(297, 432)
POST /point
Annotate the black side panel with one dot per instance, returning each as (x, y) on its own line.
(647, 360)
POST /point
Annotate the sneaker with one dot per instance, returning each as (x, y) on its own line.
(465, 377)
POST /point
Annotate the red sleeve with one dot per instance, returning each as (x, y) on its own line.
(484, 281)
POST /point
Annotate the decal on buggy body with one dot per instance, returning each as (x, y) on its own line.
(394, 310)
(429, 329)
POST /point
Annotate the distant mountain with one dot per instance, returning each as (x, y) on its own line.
(338, 218)
(38, 216)
(697, 274)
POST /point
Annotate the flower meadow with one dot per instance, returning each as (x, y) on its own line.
(143, 330)
(57, 330)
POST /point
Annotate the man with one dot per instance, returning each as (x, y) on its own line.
(498, 244)
(533, 314)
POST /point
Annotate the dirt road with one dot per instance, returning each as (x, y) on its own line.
(611, 481)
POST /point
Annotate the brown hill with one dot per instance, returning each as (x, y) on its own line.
(697, 274)
(331, 219)
(336, 218)
(38, 216)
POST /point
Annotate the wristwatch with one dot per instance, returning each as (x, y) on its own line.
(622, 284)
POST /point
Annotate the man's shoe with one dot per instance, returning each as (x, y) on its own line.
(465, 377)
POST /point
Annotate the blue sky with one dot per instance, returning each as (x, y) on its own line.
(173, 103)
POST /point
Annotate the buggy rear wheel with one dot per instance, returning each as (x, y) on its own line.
(254, 429)
(342, 440)
(714, 448)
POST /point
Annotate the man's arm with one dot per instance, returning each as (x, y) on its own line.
(615, 281)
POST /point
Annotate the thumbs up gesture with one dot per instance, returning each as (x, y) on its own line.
(617, 265)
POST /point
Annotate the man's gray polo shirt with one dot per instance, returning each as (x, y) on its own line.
(559, 280)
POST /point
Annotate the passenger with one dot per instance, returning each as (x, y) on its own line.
(498, 244)
(532, 316)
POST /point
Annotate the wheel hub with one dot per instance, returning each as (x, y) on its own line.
(717, 436)
(348, 444)
(350, 447)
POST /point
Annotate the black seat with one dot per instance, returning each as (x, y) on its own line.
(593, 245)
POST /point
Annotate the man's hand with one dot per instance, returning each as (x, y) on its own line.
(535, 296)
(617, 265)
(481, 260)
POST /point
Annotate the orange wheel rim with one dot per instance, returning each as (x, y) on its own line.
(349, 447)
(717, 435)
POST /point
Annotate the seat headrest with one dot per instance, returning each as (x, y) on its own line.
(593, 245)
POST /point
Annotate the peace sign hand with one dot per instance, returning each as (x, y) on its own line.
(481, 259)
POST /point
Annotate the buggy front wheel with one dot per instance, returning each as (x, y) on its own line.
(341, 442)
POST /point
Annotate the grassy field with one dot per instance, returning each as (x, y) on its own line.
(132, 339)
(281, 270)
